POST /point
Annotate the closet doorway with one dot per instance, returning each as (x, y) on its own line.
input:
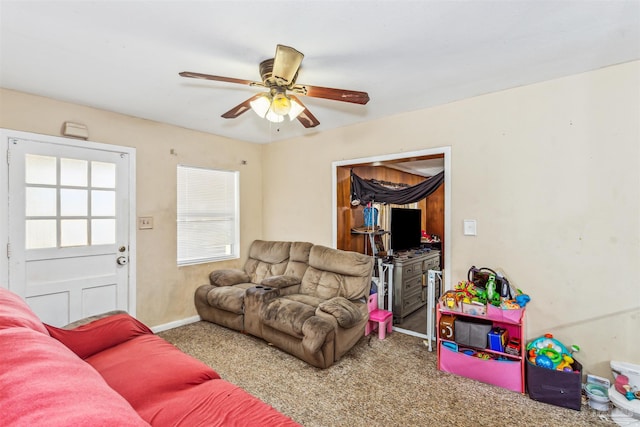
(407, 168)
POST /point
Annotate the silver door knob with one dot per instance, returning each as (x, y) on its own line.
(122, 260)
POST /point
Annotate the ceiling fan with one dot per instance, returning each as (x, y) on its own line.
(279, 76)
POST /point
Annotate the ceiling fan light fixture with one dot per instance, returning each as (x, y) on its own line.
(281, 104)
(275, 107)
(273, 117)
(261, 105)
(296, 109)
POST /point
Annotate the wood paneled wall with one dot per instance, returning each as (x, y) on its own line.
(350, 217)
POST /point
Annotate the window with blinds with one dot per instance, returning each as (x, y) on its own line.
(208, 215)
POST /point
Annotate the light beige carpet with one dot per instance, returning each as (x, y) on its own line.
(393, 382)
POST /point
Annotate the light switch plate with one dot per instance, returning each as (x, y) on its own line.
(145, 222)
(470, 227)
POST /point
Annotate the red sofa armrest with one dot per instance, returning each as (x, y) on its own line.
(99, 335)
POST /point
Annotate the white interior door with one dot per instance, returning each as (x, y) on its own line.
(69, 228)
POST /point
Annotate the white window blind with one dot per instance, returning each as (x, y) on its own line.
(208, 215)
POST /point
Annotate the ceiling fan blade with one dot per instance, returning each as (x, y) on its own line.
(286, 64)
(343, 95)
(307, 119)
(240, 108)
(219, 78)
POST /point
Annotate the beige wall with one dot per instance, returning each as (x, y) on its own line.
(164, 290)
(550, 172)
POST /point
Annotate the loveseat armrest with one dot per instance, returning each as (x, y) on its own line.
(259, 295)
(346, 313)
(228, 277)
(254, 299)
(279, 282)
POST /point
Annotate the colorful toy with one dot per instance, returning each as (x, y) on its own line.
(513, 347)
(491, 287)
(468, 292)
(450, 299)
(509, 304)
(548, 352)
(497, 339)
(522, 299)
(565, 364)
(483, 355)
(544, 361)
(622, 386)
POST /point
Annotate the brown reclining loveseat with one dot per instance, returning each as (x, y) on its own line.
(308, 300)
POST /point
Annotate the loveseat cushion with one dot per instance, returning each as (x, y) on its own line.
(298, 259)
(99, 335)
(305, 299)
(280, 281)
(43, 383)
(14, 312)
(286, 316)
(266, 259)
(228, 277)
(333, 272)
(345, 312)
(228, 298)
(148, 370)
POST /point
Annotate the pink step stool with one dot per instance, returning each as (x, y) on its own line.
(381, 319)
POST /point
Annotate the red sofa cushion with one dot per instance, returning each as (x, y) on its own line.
(99, 335)
(214, 403)
(45, 384)
(147, 369)
(14, 312)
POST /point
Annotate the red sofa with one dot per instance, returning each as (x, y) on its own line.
(111, 372)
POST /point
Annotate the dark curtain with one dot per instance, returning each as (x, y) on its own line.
(363, 191)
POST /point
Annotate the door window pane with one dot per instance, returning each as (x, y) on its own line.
(40, 201)
(103, 231)
(103, 175)
(40, 233)
(40, 169)
(73, 202)
(73, 172)
(73, 232)
(103, 203)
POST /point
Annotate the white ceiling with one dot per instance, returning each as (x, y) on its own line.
(125, 56)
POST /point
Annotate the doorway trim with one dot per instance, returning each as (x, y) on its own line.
(446, 152)
(5, 136)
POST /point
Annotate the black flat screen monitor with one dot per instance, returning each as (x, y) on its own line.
(406, 228)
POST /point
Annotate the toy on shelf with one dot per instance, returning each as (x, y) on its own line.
(513, 346)
(493, 297)
(522, 299)
(469, 294)
(548, 352)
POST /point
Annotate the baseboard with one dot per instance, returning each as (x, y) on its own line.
(175, 324)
